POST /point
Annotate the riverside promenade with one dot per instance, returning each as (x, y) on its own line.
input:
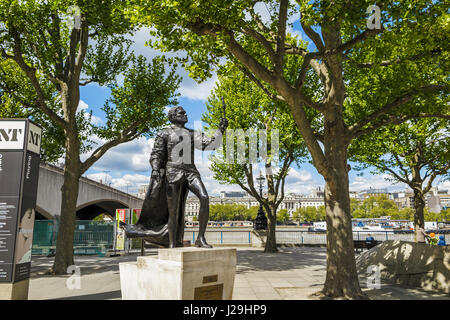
(291, 274)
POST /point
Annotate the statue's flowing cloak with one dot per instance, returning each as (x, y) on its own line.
(152, 222)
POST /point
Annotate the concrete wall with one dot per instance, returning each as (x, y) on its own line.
(90, 192)
(410, 264)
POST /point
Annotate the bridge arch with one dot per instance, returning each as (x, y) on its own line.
(90, 210)
(42, 214)
(94, 198)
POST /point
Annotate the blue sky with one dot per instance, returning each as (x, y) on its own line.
(126, 166)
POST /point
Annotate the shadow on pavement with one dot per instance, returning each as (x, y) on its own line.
(96, 296)
(285, 259)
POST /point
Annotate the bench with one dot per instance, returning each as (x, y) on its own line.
(360, 245)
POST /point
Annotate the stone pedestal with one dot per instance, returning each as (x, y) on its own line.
(180, 274)
(14, 291)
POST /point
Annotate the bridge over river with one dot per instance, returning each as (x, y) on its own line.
(93, 198)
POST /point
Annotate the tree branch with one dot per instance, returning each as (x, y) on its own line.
(434, 175)
(84, 83)
(84, 40)
(392, 119)
(263, 41)
(351, 43)
(399, 178)
(283, 174)
(398, 60)
(126, 135)
(281, 36)
(259, 84)
(262, 27)
(402, 168)
(278, 83)
(355, 130)
(31, 74)
(314, 36)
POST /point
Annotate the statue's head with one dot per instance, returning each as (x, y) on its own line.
(177, 115)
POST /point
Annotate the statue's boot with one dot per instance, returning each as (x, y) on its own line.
(133, 230)
(201, 243)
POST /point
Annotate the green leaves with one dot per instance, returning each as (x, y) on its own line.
(146, 90)
(379, 206)
(414, 152)
(18, 100)
(282, 215)
(249, 108)
(309, 214)
(230, 212)
(45, 59)
(107, 59)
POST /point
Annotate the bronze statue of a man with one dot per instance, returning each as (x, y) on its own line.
(174, 174)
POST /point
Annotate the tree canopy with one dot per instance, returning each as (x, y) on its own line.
(230, 212)
(44, 60)
(265, 135)
(365, 78)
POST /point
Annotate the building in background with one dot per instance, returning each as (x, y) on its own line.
(142, 191)
(232, 194)
(291, 201)
(371, 192)
(403, 199)
(436, 200)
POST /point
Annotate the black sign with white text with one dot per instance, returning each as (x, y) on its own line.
(19, 172)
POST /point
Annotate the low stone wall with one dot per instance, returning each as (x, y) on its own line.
(410, 264)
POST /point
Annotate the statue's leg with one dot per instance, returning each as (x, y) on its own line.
(197, 188)
(173, 203)
(184, 191)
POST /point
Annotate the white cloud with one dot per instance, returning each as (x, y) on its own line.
(444, 185)
(197, 91)
(300, 182)
(102, 177)
(130, 156)
(359, 183)
(262, 9)
(132, 181)
(302, 175)
(82, 107)
(189, 88)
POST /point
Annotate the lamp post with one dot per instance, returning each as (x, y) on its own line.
(261, 219)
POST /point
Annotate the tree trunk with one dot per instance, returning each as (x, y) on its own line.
(69, 190)
(341, 278)
(271, 241)
(66, 228)
(419, 218)
(419, 197)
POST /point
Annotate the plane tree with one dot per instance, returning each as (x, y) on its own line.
(258, 124)
(415, 153)
(369, 76)
(48, 51)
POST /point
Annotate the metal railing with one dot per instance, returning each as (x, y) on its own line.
(295, 236)
(90, 237)
(95, 237)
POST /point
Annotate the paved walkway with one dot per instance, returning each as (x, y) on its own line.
(291, 274)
